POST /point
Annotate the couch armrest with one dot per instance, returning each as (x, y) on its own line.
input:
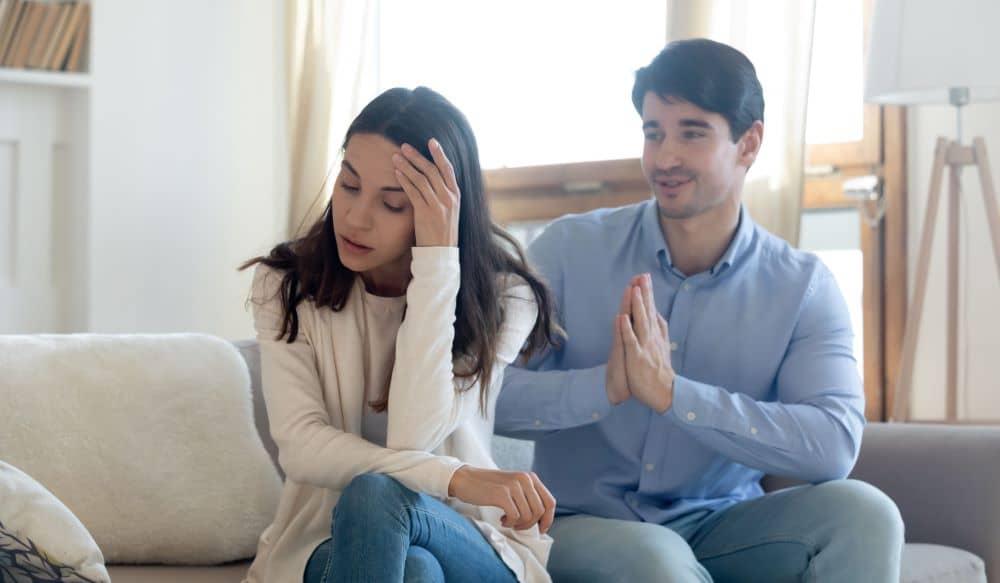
(945, 479)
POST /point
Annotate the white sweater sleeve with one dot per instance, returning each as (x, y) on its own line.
(310, 449)
(427, 402)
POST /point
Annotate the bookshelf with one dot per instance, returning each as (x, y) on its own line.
(45, 35)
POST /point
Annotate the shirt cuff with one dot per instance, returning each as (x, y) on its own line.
(593, 405)
(431, 260)
(695, 404)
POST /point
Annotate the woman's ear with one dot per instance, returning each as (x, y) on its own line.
(749, 145)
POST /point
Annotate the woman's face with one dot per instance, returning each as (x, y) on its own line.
(372, 216)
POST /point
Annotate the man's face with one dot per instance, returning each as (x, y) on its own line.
(689, 158)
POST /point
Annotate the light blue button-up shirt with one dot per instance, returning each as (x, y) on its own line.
(762, 348)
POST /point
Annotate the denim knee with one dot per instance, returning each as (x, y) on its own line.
(367, 487)
(422, 567)
(370, 493)
(863, 509)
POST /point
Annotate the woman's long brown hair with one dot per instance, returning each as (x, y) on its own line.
(313, 271)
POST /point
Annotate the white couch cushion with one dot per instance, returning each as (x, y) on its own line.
(148, 438)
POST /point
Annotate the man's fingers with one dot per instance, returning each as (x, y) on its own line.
(647, 294)
(664, 327)
(640, 319)
(625, 308)
(627, 334)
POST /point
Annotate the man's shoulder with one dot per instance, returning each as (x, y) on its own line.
(778, 259)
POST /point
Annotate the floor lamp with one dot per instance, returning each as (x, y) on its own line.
(929, 51)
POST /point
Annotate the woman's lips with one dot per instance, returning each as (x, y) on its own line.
(354, 247)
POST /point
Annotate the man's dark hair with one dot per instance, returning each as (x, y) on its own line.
(714, 76)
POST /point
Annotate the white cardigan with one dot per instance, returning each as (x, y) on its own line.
(314, 392)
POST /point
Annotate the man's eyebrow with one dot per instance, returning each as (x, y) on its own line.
(650, 124)
(695, 123)
(351, 169)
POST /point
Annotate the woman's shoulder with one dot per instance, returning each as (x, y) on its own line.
(266, 284)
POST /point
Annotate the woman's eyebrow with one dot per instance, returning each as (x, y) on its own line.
(351, 169)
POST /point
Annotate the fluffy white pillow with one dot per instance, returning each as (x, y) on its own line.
(40, 537)
(150, 439)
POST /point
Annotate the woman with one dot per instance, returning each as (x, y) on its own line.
(378, 417)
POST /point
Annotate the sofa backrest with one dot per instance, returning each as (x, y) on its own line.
(250, 351)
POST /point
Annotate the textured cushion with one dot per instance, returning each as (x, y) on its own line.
(924, 563)
(513, 454)
(149, 439)
(40, 538)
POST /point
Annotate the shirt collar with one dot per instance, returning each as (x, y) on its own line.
(654, 239)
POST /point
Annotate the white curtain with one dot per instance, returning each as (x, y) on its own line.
(329, 52)
(777, 37)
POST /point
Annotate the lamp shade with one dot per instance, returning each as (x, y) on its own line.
(921, 48)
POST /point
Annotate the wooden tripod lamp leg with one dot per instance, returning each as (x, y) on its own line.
(904, 386)
(989, 197)
(951, 337)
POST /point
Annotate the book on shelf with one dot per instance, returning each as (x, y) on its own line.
(49, 47)
(65, 39)
(10, 25)
(41, 41)
(44, 34)
(73, 62)
(25, 36)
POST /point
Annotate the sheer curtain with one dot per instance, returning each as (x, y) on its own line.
(331, 76)
(777, 37)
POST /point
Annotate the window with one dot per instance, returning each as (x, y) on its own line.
(541, 82)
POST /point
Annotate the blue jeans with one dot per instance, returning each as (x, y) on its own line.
(385, 532)
(840, 531)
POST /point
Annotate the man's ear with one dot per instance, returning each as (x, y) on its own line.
(749, 144)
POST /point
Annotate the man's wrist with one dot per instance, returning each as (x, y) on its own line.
(667, 379)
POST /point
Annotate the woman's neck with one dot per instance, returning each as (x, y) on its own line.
(385, 283)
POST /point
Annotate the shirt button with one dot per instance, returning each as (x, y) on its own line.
(691, 416)
(649, 467)
(595, 416)
(538, 422)
(753, 430)
(673, 346)
(686, 286)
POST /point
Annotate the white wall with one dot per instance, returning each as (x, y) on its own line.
(979, 321)
(187, 157)
(43, 176)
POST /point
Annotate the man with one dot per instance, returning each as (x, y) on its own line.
(702, 353)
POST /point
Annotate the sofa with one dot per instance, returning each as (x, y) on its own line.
(944, 479)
